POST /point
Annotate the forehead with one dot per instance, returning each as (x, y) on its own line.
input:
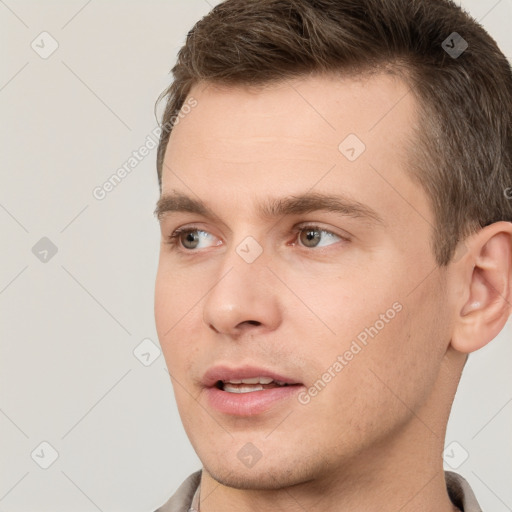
(322, 106)
(303, 118)
(350, 134)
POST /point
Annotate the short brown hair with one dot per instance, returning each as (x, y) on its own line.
(463, 154)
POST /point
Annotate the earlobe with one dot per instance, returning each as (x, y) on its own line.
(487, 281)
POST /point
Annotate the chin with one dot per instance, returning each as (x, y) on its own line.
(258, 478)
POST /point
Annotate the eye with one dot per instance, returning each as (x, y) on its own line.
(192, 238)
(314, 236)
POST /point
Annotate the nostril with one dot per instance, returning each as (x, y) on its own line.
(253, 322)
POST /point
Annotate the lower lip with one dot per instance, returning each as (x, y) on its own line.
(251, 403)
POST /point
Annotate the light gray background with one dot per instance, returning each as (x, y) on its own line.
(70, 325)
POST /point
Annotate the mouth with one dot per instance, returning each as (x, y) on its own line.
(247, 391)
(250, 385)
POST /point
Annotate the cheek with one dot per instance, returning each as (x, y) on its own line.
(385, 335)
(173, 307)
(353, 306)
(176, 295)
(163, 283)
(406, 356)
(378, 388)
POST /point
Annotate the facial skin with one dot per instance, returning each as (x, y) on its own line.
(372, 438)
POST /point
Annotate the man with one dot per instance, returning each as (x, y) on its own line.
(336, 239)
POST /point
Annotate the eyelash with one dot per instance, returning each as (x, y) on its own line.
(174, 239)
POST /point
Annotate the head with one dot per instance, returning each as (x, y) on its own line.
(348, 180)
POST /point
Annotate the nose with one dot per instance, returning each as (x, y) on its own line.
(243, 299)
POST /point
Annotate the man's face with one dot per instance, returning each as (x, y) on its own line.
(344, 302)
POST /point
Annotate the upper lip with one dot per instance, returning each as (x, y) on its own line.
(226, 373)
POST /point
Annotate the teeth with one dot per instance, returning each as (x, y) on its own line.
(252, 384)
(252, 380)
(241, 389)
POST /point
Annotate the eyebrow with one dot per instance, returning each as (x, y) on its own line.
(273, 208)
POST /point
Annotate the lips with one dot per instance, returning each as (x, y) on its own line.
(248, 390)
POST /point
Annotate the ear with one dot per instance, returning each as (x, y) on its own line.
(485, 278)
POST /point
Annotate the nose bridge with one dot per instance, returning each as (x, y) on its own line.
(243, 292)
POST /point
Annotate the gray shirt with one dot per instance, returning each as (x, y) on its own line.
(186, 498)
